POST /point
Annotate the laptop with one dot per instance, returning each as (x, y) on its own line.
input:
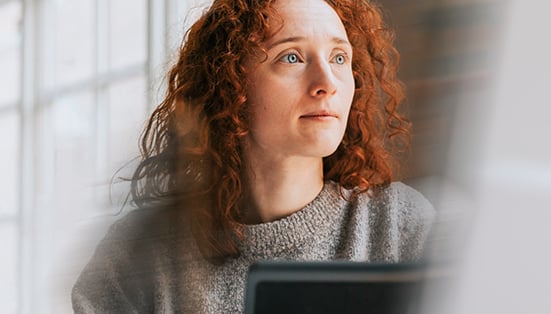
(338, 287)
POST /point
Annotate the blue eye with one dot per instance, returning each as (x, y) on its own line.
(340, 59)
(290, 58)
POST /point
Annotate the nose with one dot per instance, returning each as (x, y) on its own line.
(323, 81)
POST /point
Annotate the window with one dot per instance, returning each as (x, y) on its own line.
(10, 135)
(77, 82)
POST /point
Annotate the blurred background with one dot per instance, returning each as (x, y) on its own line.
(79, 77)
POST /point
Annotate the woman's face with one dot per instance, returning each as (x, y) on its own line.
(301, 94)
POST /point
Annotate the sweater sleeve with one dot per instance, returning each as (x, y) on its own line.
(415, 219)
(116, 278)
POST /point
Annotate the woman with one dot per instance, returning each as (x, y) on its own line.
(274, 142)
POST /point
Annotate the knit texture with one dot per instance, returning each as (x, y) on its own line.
(148, 262)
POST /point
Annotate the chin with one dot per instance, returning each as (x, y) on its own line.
(329, 153)
(326, 150)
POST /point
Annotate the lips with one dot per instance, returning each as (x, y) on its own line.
(320, 114)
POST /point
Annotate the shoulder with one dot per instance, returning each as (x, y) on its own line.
(414, 216)
(399, 219)
(399, 201)
(408, 200)
(147, 224)
(142, 232)
(122, 271)
(396, 201)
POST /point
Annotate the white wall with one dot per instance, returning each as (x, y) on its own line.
(506, 267)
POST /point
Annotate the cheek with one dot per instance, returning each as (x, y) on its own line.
(268, 103)
(262, 112)
(260, 97)
(351, 83)
(347, 98)
(348, 94)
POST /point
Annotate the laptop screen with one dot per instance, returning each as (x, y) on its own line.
(334, 287)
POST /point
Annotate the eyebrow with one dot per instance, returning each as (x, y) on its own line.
(335, 39)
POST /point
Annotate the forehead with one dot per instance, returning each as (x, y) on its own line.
(307, 17)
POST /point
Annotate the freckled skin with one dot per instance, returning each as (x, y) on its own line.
(300, 96)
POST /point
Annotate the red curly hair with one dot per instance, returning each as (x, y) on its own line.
(191, 153)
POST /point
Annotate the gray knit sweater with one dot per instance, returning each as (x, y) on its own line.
(148, 262)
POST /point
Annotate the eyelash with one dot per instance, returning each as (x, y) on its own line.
(285, 58)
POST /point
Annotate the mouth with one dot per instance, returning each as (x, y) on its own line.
(322, 114)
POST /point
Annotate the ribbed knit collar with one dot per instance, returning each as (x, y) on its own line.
(315, 219)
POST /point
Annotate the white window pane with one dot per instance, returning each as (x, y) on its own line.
(8, 268)
(9, 164)
(182, 15)
(127, 38)
(10, 39)
(74, 149)
(74, 36)
(127, 115)
(10, 78)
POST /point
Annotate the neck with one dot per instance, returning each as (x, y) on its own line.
(278, 187)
